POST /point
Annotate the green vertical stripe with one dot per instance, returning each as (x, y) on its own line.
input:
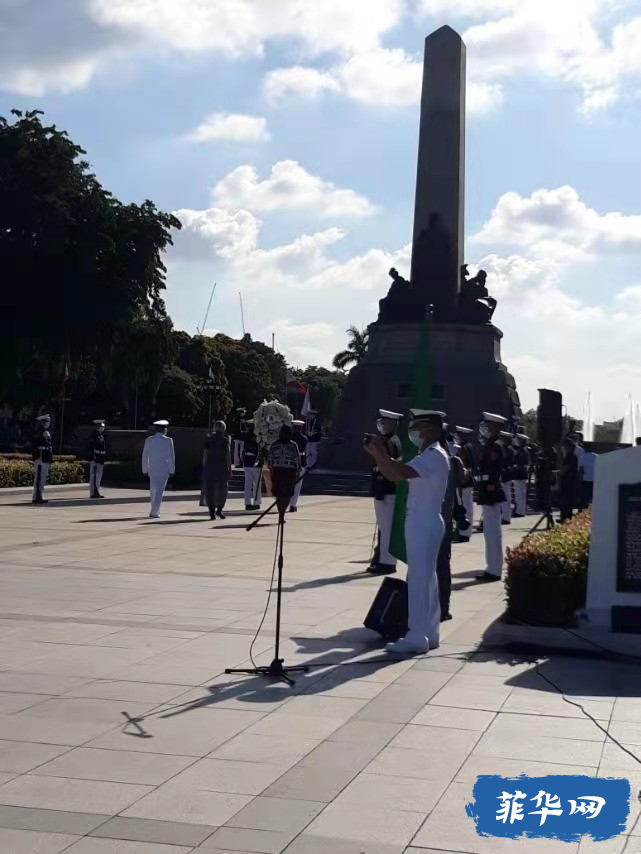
(421, 398)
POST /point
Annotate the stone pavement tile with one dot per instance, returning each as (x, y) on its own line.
(349, 756)
(474, 720)
(359, 689)
(134, 692)
(397, 704)
(52, 821)
(445, 744)
(473, 692)
(245, 839)
(278, 814)
(21, 756)
(611, 846)
(308, 843)
(194, 733)
(531, 702)
(449, 828)
(367, 824)
(148, 830)
(372, 733)
(38, 683)
(222, 775)
(545, 725)
(116, 766)
(28, 727)
(11, 702)
(338, 708)
(192, 806)
(393, 793)
(56, 793)
(628, 733)
(422, 764)
(282, 749)
(30, 842)
(565, 751)
(627, 710)
(503, 767)
(444, 660)
(305, 726)
(91, 845)
(311, 784)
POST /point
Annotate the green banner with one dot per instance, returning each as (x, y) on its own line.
(421, 398)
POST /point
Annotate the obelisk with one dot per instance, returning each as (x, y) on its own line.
(439, 215)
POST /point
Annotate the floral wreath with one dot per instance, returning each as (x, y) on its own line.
(269, 418)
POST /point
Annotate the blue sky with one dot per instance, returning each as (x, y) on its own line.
(193, 103)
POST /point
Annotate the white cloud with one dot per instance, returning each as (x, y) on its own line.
(289, 187)
(559, 216)
(233, 127)
(216, 232)
(302, 343)
(298, 81)
(630, 299)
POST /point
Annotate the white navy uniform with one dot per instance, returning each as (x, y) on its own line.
(491, 496)
(424, 530)
(159, 462)
(384, 494)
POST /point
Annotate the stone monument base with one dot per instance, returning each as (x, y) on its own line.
(466, 378)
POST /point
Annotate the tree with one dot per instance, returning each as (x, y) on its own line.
(247, 372)
(356, 349)
(325, 388)
(178, 397)
(200, 357)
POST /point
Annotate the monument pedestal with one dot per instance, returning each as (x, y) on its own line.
(466, 377)
(614, 574)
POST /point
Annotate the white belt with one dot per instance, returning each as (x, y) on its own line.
(484, 477)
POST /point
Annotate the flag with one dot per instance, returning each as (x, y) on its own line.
(307, 407)
(67, 376)
(211, 373)
(421, 399)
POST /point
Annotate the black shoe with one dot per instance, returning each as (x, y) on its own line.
(382, 569)
(518, 515)
(488, 577)
(221, 515)
(212, 516)
(249, 506)
(506, 522)
(255, 506)
(293, 509)
(40, 501)
(459, 539)
(446, 617)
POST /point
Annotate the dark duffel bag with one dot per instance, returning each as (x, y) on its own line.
(388, 614)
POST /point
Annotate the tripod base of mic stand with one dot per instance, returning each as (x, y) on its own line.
(548, 519)
(275, 671)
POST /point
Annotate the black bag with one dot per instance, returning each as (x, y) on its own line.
(388, 614)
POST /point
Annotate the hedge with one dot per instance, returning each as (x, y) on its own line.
(20, 473)
(129, 473)
(547, 575)
(60, 458)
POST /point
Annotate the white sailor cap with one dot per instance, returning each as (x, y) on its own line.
(505, 435)
(43, 418)
(392, 416)
(465, 431)
(522, 436)
(434, 415)
(99, 422)
(493, 418)
(298, 423)
(161, 423)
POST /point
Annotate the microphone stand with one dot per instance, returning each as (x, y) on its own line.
(276, 670)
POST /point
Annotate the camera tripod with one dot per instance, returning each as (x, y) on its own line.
(276, 670)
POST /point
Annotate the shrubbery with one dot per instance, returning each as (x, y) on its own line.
(547, 575)
(58, 458)
(20, 473)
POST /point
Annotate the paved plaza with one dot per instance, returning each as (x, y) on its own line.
(120, 733)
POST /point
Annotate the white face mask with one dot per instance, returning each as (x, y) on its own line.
(484, 430)
(457, 439)
(416, 438)
(101, 429)
(380, 426)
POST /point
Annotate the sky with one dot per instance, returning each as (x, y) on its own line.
(283, 134)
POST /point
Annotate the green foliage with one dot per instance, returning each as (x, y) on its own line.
(357, 342)
(325, 389)
(547, 575)
(15, 473)
(178, 397)
(248, 373)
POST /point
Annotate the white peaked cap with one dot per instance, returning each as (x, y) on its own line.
(99, 421)
(494, 419)
(298, 423)
(427, 414)
(161, 423)
(466, 431)
(505, 435)
(522, 436)
(43, 418)
(393, 416)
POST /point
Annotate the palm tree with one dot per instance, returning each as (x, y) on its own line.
(356, 349)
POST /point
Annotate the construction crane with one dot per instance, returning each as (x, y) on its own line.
(211, 297)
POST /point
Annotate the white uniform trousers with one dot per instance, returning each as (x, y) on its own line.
(157, 484)
(467, 498)
(423, 536)
(297, 489)
(95, 478)
(312, 453)
(506, 506)
(253, 489)
(384, 510)
(40, 474)
(520, 496)
(493, 539)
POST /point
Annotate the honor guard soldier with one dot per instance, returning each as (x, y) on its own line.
(384, 493)
(509, 455)
(158, 462)
(491, 494)
(463, 436)
(250, 460)
(300, 440)
(284, 464)
(314, 436)
(42, 455)
(521, 469)
(427, 474)
(97, 455)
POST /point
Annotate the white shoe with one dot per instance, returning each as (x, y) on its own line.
(154, 515)
(407, 647)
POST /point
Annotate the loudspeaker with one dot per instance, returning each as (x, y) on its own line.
(550, 417)
(388, 614)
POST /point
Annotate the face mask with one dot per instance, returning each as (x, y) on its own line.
(484, 431)
(457, 439)
(416, 438)
(380, 426)
(101, 429)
